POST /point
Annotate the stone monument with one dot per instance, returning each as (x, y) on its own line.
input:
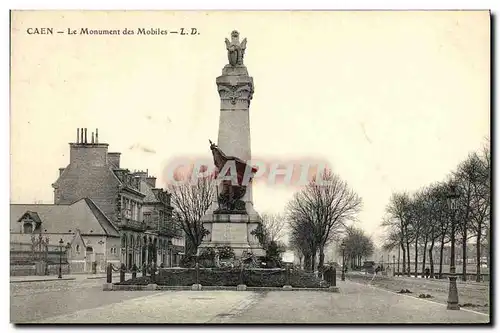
(232, 219)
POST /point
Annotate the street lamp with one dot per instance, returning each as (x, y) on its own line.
(393, 265)
(452, 198)
(61, 243)
(94, 262)
(342, 246)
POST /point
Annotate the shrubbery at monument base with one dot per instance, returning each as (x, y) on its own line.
(231, 277)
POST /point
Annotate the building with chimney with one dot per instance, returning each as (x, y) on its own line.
(131, 200)
(94, 196)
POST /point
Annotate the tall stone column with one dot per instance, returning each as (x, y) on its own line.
(235, 88)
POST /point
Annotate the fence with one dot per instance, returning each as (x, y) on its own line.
(26, 270)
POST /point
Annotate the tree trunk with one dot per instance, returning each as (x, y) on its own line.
(488, 249)
(399, 256)
(464, 256)
(441, 251)
(431, 259)
(416, 256)
(321, 257)
(313, 261)
(424, 257)
(307, 262)
(478, 254)
(403, 270)
(408, 255)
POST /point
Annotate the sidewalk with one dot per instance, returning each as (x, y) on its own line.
(20, 279)
(419, 278)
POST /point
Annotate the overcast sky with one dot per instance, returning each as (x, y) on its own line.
(393, 101)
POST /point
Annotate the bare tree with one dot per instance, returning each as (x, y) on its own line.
(393, 240)
(274, 226)
(357, 245)
(398, 220)
(481, 205)
(190, 203)
(323, 206)
(302, 240)
(468, 178)
(437, 222)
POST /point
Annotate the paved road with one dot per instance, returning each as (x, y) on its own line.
(31, 301)
(356, 303)
(475, 294)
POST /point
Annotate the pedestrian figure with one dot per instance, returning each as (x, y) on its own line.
(134, 271)
(427, 272)
(153, 272)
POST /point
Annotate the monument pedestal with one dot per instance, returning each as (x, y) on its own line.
(234, 230)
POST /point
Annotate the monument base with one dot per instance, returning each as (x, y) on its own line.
(233, 230)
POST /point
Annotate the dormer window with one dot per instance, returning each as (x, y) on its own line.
(28, 222)
(28, 228)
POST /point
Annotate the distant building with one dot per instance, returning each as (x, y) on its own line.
(88, 235)
(129, 215)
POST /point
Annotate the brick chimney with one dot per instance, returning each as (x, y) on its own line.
(114, 160)
(151, 181)
(83, 152)
(141, 175)
(61, 170)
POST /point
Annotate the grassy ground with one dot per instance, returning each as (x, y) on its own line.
(471, 268)
(472, 295)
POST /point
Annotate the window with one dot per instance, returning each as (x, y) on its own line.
(28, 228)
(147, 217)
(77, 248)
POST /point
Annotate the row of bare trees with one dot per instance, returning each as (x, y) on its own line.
(423, 219)
(318, 214)
(357, 246)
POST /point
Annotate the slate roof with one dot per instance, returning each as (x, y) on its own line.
(145, 189)
(82, 214)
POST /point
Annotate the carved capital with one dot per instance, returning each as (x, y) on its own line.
(235, 93)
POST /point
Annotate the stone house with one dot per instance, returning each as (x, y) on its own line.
(88, 236)
(103, 212)
(130, 200)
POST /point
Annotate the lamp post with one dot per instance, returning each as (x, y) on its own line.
(393, 265)
(342, 246)
(452, 291)
(101, 243)
(61, 242)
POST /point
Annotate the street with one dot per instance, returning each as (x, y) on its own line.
(474, 294)
(83, 301)
(32, 301)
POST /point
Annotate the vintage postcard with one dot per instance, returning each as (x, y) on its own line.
(228, 167)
